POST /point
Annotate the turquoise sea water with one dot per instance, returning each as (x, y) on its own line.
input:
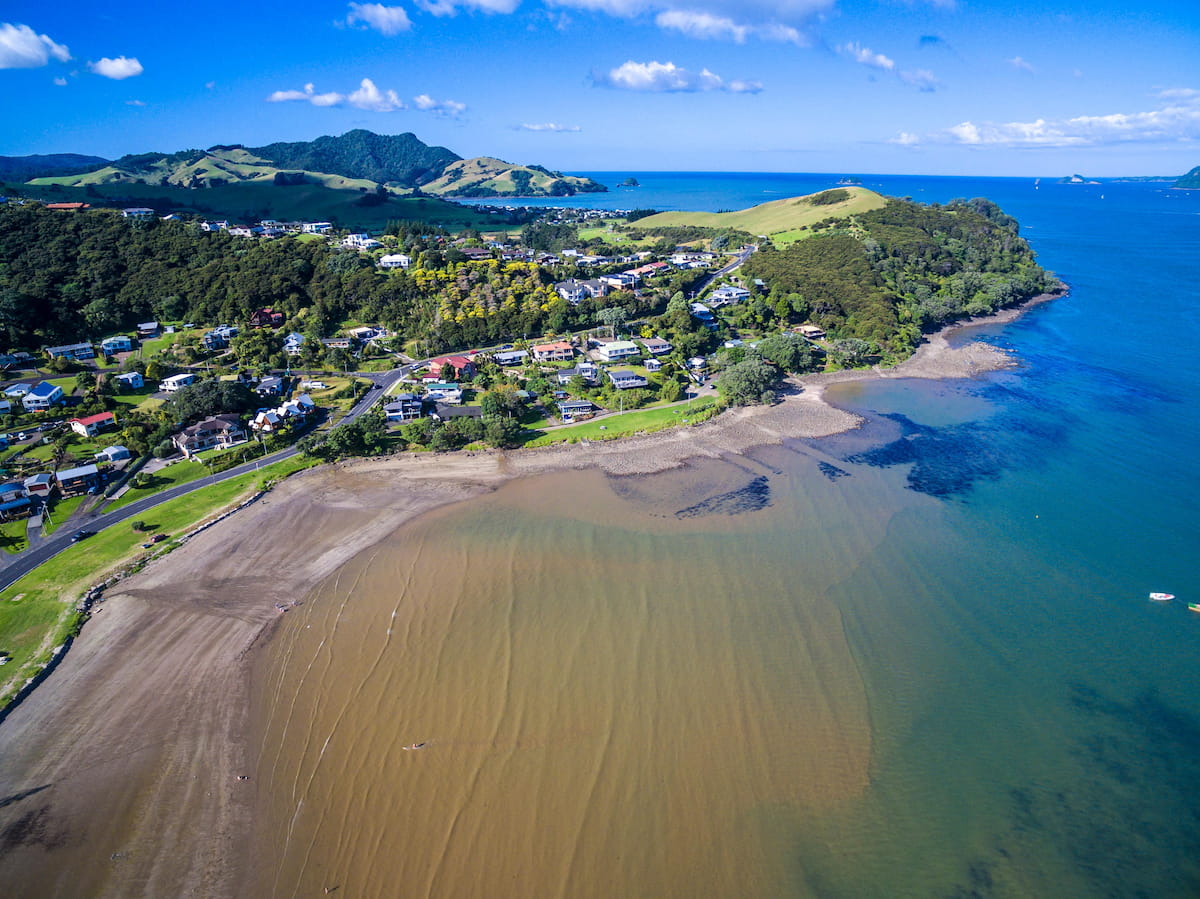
(1037, 719)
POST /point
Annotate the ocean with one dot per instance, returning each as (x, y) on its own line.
(916, 659)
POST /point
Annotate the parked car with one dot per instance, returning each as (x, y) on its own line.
(81, 535)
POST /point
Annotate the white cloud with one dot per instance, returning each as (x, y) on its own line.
(668, 77)
(22, 48)
(60, 81)
(922, 79)
(309, 94)
(1177, 121)
(735, 20)
(905, 139)
(1023, 64)
(389, 20)
(708, 26)
(370, 97)
(451, 7)
(135, 103)
(867, 57)
(118, 69)
(450, 108)
(553, 127)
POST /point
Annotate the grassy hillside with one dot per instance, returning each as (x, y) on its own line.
(784, 221)
(251, 201)
(485, 176)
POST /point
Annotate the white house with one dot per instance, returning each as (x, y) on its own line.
(728, 293)
(293, 344)
(617, 349)
(623, 380)
(113, 454)
(395, 260)
(132, 380)
(360, 241)
(175, 382)
(42, 397)
(17, 391)
(137, 212)
(316, 227)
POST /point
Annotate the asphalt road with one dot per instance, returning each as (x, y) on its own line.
(52, 546)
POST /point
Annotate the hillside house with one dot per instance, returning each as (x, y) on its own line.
(464, 368)
(91, 425)
(131, 380)
(41, 484)
(316, 227)
(558, 351)
(72, 351)
(137, 212)
(42, 396)
(147, 329)
(395, 260)
(119, 343)
(176, 382)
(266, 318)
(728, 293)
(115, 453)
(616, 350)
(511, 357)
(656, 346)
(623, 380)
(293, 344)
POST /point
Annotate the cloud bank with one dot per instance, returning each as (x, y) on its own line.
(368, 96)
(666, 77)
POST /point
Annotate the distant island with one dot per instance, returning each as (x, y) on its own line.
(1076, 179)
(629, 182)
(1190, 181)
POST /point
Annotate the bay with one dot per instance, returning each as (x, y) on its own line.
(916, 659)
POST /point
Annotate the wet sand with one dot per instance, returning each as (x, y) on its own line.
(121, 774)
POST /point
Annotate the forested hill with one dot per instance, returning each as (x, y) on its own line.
(1190, 181)
(888, 274)
(22, 168)
(401, 159)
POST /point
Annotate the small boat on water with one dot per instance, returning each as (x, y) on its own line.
(1162, 597)
(1194, 606)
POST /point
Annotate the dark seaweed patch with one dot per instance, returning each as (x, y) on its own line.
(34, 828)
(832, 471)
(754, 496)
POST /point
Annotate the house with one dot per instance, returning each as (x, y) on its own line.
(360, 241)
(704, 315)
(41, 484)
(511, 357)
(651, 268)
(120, 343)
(16, 391)
(113, 454)
(444, 393)
(617, 349)
(298, 407)
(656, 346)
(131, 380)
(176, 382)
(812, 332)
(69, 207)
(623, 380)
(572, 410)
(212, 341)
(338, 343)
(367, 332)
(271, 386)
(92, 424)
(697, 363)
(728, 293)
(585, 370)
(74, 481)
(5, 407)
(403, 407)
(246, 230)
(226, 332)
(267, 421)
(266, 318)
(14, 501)
(575, 292)
(72, 351)
(653, 365)
(293, 344)
(558, 351)
(42, 396)
(213, 226)
(220, 431)
(137, 212)
(463, 367)
(316, 227)
(395, 260)
(620, 281)
(444, 412)
(147, 329)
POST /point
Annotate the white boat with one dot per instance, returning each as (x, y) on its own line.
(1162, 597)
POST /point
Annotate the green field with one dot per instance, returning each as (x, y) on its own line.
(613, 426)
(37, 613)
(780, 220)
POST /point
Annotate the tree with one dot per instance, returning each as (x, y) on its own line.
(448, 372)
(670, 391)
(501, 403)
(748, 382)
(205, 398)
(791, 354)
(613, 317)
(851, 352)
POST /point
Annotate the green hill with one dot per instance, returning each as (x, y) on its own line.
(1190, 181)
(784, 221)
(22, 168)
(402, 160)
(485, 176)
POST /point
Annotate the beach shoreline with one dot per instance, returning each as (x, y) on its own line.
(151, 792)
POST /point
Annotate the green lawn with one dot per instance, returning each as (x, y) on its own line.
(138, 399)
(171, 476)
(612, 426)
(13, 537)
(61, 508)
(37, 613)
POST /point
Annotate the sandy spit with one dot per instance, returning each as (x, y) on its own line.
(122, 775)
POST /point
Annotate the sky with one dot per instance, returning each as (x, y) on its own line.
(842, 86)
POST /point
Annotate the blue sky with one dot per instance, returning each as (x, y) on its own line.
(887, 86)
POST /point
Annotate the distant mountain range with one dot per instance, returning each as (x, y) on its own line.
(357, 160)
(1190, 181)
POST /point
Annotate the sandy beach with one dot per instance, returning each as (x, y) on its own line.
(128, 772)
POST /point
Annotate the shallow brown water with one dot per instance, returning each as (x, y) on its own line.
(604, 702)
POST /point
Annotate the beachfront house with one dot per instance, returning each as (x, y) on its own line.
(403, 407)
(76, 481)
(573, 410)
(623, 380)
(91, 425)
(219, 432)
(586, 370)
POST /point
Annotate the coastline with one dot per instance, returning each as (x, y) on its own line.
(156, 694)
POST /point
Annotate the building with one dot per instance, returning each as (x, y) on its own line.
(510, 357)
(316, 227)
(617, 349)
(74, 481)
(16, 391)
(90, 425)
(176, 382)
(444, 393)
(266, 318)
(14, 501)
(653, 365)
(728, 293)
(403, 407)
(464, 368)
(131, 380)
(218, 432)
(147, 329)
(623, 380)
(573, 410)
(5, 409)
(271, 386)
(361, 241)
(41, 484)
(704, 315)
(812, 332)
(575, 292)
(293, 344)
(72, 351)
(620, 281)
(137, 212)
(120, 343)
(586, 370)
(42, 396)
(558, 351)
(112, 454)
(656, 346)
(395, 260)
(69, 207)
